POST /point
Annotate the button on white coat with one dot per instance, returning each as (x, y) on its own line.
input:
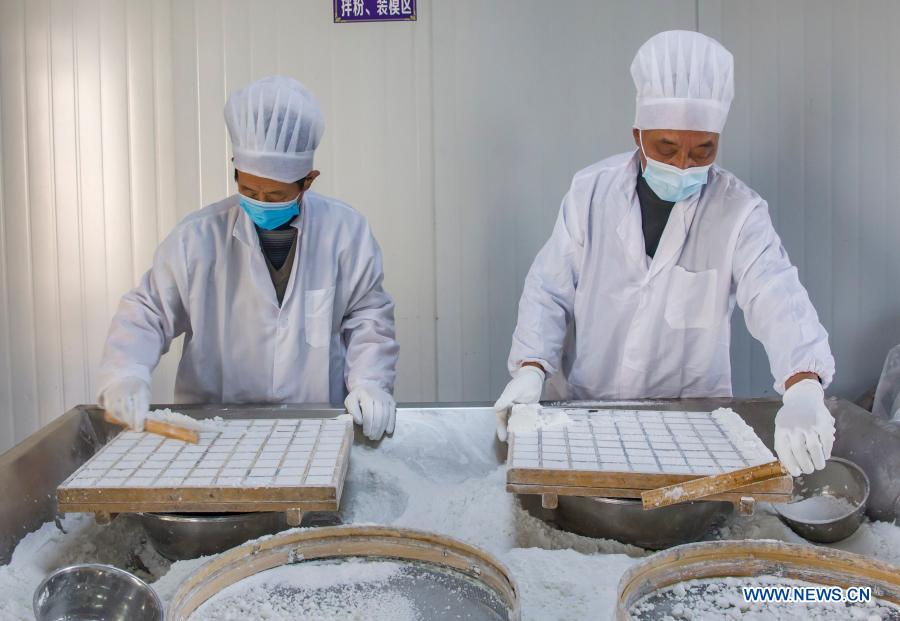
(209, 281)
(670, 338)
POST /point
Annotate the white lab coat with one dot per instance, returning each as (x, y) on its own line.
(642, 328)
(333, 331)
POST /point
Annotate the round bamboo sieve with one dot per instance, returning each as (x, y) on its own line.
(748, 558)
(336, 542)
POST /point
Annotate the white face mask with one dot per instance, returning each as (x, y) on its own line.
(671, 183)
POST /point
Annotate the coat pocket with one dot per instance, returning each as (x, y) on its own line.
(318, 310)
(691, 300)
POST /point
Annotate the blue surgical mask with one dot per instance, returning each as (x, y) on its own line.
(270, 215)
(671, 183)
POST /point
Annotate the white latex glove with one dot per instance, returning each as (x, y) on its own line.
(372, 408)
(804, 428)
(128, 399)
(525, 387)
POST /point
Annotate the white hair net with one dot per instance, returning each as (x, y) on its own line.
(684, 80)
(275, 126)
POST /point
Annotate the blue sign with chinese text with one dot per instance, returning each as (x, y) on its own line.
(374, 11)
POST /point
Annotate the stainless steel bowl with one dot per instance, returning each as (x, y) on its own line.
(840, 478)
(95, 593)
(625, 520)
(179, 536)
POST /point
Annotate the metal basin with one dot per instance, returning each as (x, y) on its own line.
(179, 536)
(840, 478)
(625, 520)
(95, 592)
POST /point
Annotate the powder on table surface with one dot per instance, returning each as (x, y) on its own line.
(441, 472)
(564, 584)
(122, 543)
(461, 495)
(818, 508)
(878, 540)
(716, 599)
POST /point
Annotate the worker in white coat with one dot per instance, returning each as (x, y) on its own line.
(277, 289)
(632, 295)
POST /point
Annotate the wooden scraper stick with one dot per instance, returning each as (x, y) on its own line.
(151, 425)
(711, 485)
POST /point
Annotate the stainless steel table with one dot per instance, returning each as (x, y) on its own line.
(31, 471)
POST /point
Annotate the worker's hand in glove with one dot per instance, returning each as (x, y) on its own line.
(128, 400)
(804, 428)
(525, 387)
(372, 408)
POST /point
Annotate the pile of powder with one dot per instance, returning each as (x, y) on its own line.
(530, 417)
(714, 600)
(878, 540)
(182, 420)
(121, 543)
(743, 436)
(818, 509)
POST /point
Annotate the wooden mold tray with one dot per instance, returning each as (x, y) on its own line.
(244, 465)
(621, 453)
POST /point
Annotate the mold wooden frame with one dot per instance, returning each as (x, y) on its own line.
(609, 484)
(106, 503)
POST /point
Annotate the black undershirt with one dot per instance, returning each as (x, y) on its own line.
(279, 247)
(654, 214)
(277, 243)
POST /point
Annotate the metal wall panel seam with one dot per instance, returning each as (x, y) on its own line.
(86, 363)
(27, 220)
(434, 214)
(199, 113)
(156, 154)
(102, 169)
(4, 292)
(48, 416)
(129, 114)
(222, 30)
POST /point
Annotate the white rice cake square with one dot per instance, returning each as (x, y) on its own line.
(252, 453)
(642, 441)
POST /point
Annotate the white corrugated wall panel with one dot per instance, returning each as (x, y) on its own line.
(66, 178)
(42, 209)
(375, 154)
(22, 416)
(457, 136)
(111, 128)
(814, 129)
(89, 164)
(526, 94)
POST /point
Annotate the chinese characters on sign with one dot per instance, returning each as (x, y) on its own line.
(374, 11)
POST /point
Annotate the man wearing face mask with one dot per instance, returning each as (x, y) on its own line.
(277, 289)
(632, 295)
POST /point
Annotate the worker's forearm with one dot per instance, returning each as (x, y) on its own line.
(371, 342)
(536, 365)
(797, 377)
